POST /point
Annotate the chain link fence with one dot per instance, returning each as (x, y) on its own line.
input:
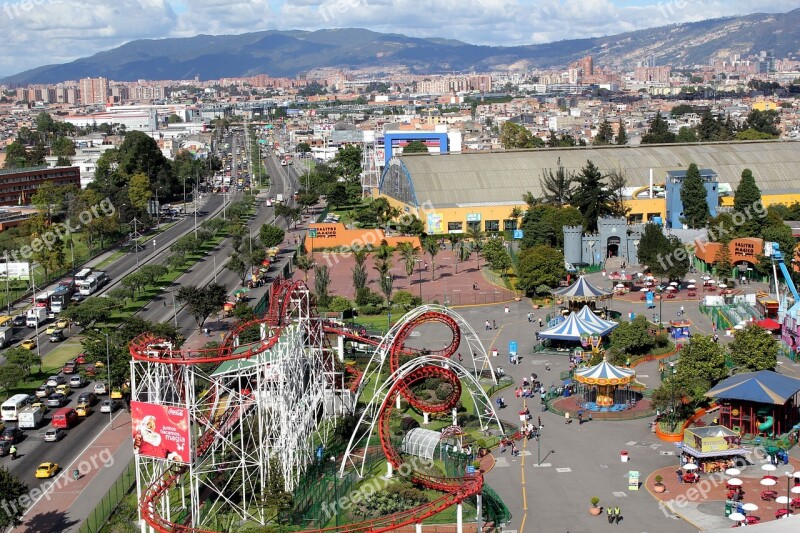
(121, 487)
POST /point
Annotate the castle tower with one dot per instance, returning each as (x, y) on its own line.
(573, 244)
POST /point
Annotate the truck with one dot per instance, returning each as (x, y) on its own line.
(279, 198)
(30, 417)
(6, 334)
(35, 316)
(60, 298)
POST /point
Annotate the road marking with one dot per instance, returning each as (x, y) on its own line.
(667, 453)
(543, 465)
(501, 462)
(523, 454)
(642, 376)
(563, 470)
(631, 443)
(655, 446)
(603, 466)
(620, 494)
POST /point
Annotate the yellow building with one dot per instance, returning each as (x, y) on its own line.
(765, 105)
(452, 192)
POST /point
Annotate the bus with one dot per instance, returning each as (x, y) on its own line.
(13, 405)
(5, 321)
(93, 283)
(81, 276)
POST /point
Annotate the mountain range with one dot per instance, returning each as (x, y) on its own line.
(288, 53)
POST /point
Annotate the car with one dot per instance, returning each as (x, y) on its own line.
(64, 389)
(77, 297)
(54, 435)
(44, 391)
(77, 382)
(116, 394)
(5, 448)
(55, 381)
(63, 323)
(88, 397)
(100, 388)
(47, 470)
(28, 344)
(57, 336)
(99, 364)
(41, 405)
(80, 359)
(83, 409)
(19, 321)
(57, 400)
(50, 329)
(12, 435)
(109, 406)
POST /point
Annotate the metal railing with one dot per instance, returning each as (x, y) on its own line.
(100, 514)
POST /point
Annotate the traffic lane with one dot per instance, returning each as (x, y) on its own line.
(33, 450)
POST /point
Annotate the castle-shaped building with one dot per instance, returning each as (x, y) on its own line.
(615, 238)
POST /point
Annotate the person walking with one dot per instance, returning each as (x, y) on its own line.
(610, 513)
(494, 324)
(617, 514)
(540, 321)
(679, 473)
(530, 317)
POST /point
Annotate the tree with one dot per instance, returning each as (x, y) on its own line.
(617, 183)
(304, 264)
(476, 236)
(408, 254)
(139, 192)
(304, 148)
(764, 122)
(652, 245)
(680, 110)
(174, 119)
(415, 147)
(622, 134)
(386, 283)
(237, 264)
(747, 201)
(693, 196)
(431, 245)
(557, 187)
(686, 135)
(632, 338)
(539, 265)
(659, 132)
(604, 134)
(322, 281)
(513, 136)
(360, 270)
(701, 356)
(201, 302)
(12, 491)
(10, 375)
(16, 155)
(24, 359)
(782, 234)
(753, 348)
(591, 196)
(91, 310)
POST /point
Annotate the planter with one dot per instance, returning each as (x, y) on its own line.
(595, 511)
(659, 488)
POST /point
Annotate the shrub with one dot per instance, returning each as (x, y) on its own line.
(444, 391)
(659, 479)
(366, 296)
(369, 310)
(408, 423)
(661, 340)
(480, 443)
(432, 383)
(340, 304)
(405, 301)
(595, 500)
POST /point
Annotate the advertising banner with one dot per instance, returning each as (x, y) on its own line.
(160, 431)
(12, 270)
(650, 303)
(435, 225)
(633, 480)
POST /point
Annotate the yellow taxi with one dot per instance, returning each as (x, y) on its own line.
(51, 328)
(63, 389)
(116, 394)
(47, 470)
(28, 344)
(83, 409)
(62, 323)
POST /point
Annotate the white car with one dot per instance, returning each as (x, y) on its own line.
(100, 388)
(109, 406)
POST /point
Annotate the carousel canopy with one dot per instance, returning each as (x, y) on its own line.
(605, 374)
(588, 316)
(572, 329)
(582, 291)
(764, 386)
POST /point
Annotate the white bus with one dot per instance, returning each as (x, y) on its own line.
(81, 276)
(13, 405)
(93, 283)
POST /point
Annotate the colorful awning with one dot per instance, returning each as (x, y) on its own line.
(605, 374)
(582, 291)
(573, 328)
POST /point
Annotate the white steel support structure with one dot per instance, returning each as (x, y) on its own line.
(244, 416)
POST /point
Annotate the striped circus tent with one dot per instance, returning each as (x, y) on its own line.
(582, 291)
(588, 316)
(605, 374)
(572, 329)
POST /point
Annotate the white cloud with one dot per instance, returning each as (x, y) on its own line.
(38, 32)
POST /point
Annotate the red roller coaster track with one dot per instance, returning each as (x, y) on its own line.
(285, 295)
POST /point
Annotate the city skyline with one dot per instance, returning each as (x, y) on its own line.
(42, 32)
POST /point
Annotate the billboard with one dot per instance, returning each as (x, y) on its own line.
(435, 225)
(160, 431)
(11, 270)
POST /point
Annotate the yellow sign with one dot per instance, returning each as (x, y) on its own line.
(713, 444)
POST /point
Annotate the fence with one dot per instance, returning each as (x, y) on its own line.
(100, 515)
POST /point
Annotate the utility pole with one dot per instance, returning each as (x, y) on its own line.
(135, 236)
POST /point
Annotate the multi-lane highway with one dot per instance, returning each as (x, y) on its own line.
(33, 450)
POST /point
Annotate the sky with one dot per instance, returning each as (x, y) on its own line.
(41, 32)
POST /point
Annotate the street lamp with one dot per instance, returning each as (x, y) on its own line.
(419, 269)
(789, 490)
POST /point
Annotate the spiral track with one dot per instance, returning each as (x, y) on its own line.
(284, 299)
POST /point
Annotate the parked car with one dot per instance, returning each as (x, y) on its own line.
(54, 435)
(47, 470)
(55, 381)
(88, 397)
(100, 388)
(57, 400)
(44, 391)
(12, 435)
(109, 406)
(77, 382)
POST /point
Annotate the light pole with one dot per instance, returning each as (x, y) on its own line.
(36, 329)
(108, 370)
(174, 309)
(419, 269)
(8, 288)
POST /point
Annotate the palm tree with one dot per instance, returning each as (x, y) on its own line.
(431, 245)
(462, 252)
(304, 263)
(409, 256)
(476, 236)
(515, 214)
(386, 283)
(360, 255)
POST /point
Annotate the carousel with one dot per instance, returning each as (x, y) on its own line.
(605, 387)
(581, 292)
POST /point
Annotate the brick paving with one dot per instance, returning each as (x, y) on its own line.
(448, 286)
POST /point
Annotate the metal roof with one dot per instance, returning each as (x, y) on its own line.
(482, 178)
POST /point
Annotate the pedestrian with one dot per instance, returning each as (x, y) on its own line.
(494, 324)
(566, 417)
(540, 423)
(460, 359)
(547, 366)
(679, 473)
(610, 513)
(530, 317)
(590, 416)
(540, 321)
(488, 326)
(682, 311)
(617, 514)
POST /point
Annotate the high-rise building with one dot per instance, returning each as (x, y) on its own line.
(94, 91)
(587, 65)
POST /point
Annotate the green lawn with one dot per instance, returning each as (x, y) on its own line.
(51, 364)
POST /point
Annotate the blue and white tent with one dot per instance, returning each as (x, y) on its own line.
(588, 316)
(582, 291)
(572, 329)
